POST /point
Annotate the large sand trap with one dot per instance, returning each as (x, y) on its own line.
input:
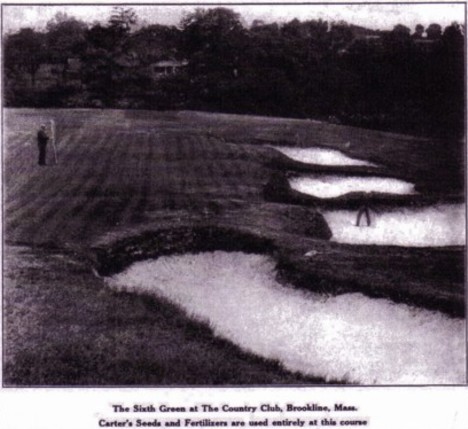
(349, 337)
(329, 186)
(442, 225)
(321, 156)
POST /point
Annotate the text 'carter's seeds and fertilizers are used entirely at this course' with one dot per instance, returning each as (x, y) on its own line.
(227, 415)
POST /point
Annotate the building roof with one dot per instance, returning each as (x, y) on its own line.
(170, 63)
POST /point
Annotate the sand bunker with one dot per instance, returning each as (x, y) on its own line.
(442, 225)
(329, 186)
(349, 337)
(321, 156)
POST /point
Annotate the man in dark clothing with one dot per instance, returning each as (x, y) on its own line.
(363, 210)
(42, 139)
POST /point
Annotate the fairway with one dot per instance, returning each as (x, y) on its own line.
(113, 169)
(130, 186)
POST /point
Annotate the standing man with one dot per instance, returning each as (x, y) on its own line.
(42, 139)
(364, 210)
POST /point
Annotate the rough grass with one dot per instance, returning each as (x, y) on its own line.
(63, 326)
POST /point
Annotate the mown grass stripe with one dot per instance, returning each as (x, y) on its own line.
(96, 207)
(29, 209)
(137, 172)
(34, 185)
(81, 175)
(50, 214)
(117, 168)
(145, 162)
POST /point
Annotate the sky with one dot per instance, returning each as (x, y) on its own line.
(375, 16)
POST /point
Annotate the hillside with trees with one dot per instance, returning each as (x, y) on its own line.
(402, 80)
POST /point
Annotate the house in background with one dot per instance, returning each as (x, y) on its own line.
(165, 68)
(69, 74)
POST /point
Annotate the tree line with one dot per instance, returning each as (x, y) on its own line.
(399, 80)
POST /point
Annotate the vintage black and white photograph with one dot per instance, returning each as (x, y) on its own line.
(233, 195)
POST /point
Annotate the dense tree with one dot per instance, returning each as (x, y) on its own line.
(453, 38)
(390, 80)
(401, 31)
(24, 52)
(418, 32)
(122, 19)
(213, 38)
(156, 42)
(341, 35)
(65, 40)
(111, 67)
(434, 32)
(66, 37)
